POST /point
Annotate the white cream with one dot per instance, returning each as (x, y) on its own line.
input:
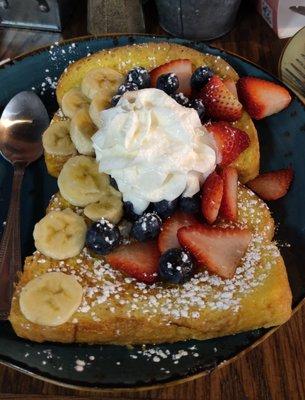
(153, 147)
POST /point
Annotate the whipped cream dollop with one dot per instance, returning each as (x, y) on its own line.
(153, 147)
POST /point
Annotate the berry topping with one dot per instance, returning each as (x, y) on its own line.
(168, 237)
(181, 99)
(219, 102)
(164, 208)
(272, 185)
(129, 212)
(219, 250)
(115, 99)
(200, 77)
(139, 76)
(102, 237)
(228, 208)
(169, 83)
(262, 98)
(197, 104)
(147, 227)
(127, 87)
(231, 86)
(212, 191)
(176, 266)
(190, 204)
(230, 141)
(139, 260)
(181, 68)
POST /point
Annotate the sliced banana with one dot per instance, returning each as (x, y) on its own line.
(56, 139)
(106, 80)
(109, 207)
(60, 234)
(50, 299)
(73, 101)
(100, 102)
(81, 130)
(80, 182)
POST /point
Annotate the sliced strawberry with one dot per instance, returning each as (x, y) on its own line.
(230, 141)
(168, 237)
(182, 68)
(262, 98)
(219, 102)
(228, 208)
(219, 250)
(139, 260)
(272, 185)
(231, 86)
(212, 191)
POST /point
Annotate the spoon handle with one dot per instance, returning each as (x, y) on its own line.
(10, 253)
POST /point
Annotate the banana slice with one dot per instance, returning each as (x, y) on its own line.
(60, 234)
(81, 130)
(50, 299)
(80, 182)
(56, 139)
(106, 80)
(100, 102)
(73, 101)
(109, 207)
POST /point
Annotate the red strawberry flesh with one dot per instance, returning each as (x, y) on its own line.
(228, 208)
(212, 191)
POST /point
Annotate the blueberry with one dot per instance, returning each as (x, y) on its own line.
(197, 104)
(146, 227)
(129, 212)
(169, 83)
(200, 77)
(190, 205)
(113, 183)
(139, 76)
(181, 99)
(164, 208)
(102, 237)
(127, 87)
(176, 266)
(115, 99)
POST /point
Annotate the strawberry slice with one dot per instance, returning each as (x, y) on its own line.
(219, 102)
(219, 250)
(212, 191)
(230, 141)
(272, 185)
(262, 98)
(228, 208)
(182, 68)
(231, 86)
(139, 260)
(168, 237)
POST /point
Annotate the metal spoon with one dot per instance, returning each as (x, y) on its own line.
(21, 126)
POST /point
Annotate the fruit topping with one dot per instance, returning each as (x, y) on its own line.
(212, 191)
(176, 266)
(219, 102)
(228, 208)
(127, 87)
(272, 185)
(182, 68)
(109, 207)
(231, 86)
(181, 99)
(164, 208)
(168, 237)
(200, 77)
(230, 141)
(129, 212)
(197, 104)
(219, 250)
(262, 98)
(147, 227)
(102, 237)
(190, 204)
(139, 76)
(169, 83)
(139, 260)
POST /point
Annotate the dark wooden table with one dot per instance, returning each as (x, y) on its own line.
(273, 370)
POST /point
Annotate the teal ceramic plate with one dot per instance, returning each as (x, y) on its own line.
(282, 138)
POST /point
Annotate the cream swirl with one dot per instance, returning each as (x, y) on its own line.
(153, 147)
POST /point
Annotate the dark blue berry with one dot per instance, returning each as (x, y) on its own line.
(127, 87)
(129, 212)
(146, 227)
(102, 237)
(176, 266)
(164, 208)
(169, 83)
(190, 205)
(139, 76)
(115, 99)
(197, 104)
(113, 183)
(181, 99)
(200, 77)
